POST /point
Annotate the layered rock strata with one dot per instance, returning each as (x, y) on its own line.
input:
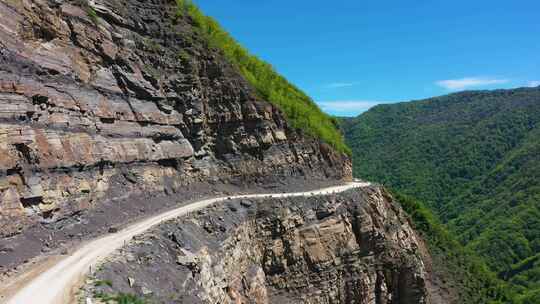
(93, 92)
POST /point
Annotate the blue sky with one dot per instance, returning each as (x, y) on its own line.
(350, 55)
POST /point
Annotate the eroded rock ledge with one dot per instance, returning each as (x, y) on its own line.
(354, 247)
(103, 99)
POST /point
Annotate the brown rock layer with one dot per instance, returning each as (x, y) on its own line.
(134, 96)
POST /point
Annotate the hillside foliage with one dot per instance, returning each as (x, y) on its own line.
(474, 159)
(299, 109)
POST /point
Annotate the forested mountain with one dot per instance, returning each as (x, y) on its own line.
(474, 159)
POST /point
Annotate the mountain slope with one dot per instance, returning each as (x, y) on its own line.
(508, 234)
(473, 157)
(451, 266)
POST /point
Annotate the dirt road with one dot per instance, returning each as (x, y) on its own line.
(57, 284)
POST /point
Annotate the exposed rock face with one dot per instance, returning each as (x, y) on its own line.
(132, 100)
(355, 247)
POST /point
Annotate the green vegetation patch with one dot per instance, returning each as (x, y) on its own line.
(103, 283)
(299, 109)
(121, 298)
(92, 14)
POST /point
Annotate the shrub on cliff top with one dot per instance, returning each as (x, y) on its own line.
(299, 109)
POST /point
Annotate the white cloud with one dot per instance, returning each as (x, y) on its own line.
(348, 107)
(468, 82)
(338, 85)
(533, 83)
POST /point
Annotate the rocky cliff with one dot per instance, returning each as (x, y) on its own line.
(355, 247)
(112, 100)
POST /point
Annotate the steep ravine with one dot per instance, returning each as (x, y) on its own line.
(355, 247)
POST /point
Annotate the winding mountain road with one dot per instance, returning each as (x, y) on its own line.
(57, 284)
